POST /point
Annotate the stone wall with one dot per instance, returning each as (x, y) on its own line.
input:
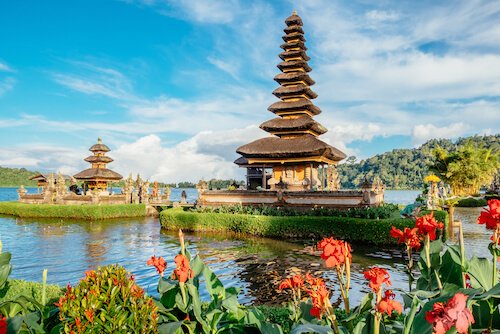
(304, 199)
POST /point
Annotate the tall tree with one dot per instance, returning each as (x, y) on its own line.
(467, 168)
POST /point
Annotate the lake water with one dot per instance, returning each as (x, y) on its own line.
(255, 265)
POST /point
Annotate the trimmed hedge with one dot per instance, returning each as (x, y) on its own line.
(471, 202)
(371, 231)
(85, 211)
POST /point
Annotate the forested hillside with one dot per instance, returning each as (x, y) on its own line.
(405, 168)
(14, 177)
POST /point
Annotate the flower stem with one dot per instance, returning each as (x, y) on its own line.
(495, 245)
(462, 253)
(343, 291)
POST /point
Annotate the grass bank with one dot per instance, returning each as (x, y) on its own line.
(371, 231)
(89, 212)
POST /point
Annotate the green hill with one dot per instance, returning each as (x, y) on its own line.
(405, 168)
(14, 177)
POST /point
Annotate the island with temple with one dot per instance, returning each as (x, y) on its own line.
(292, 166)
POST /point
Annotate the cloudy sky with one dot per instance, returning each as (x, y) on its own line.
(174, 86)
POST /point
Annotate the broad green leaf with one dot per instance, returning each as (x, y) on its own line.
(451, 270)
(310, 328)
(492, 293)
(195, 299)
(213, 284)
(480, 273)
(171, 328)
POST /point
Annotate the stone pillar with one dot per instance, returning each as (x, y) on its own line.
(21, 192)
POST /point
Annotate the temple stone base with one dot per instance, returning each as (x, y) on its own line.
(342, 199)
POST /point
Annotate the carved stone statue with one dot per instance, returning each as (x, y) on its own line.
(145, 192)
(166, 193)
(202, 186)
(156, 191)
(61, 188)
(21, 191)
(332, 177)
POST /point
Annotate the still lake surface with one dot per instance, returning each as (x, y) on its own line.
(255, 265)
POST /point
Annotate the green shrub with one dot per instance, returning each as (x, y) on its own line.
(374, 231)
(107, 301)
(471, 202)
(491, 196)
(85, 211)
(15, 287)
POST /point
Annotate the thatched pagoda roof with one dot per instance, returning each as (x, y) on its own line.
(293, 19)
(299, 104)
(294, 90)
(293, 28)
(294, 132)
(44, 177)
(289, 77)
(302, 123)
(98, 174)
(99, 147)
(97, 159)
(303, 146)
(294, 64)
(294, 54)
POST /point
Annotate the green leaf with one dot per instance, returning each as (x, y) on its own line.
(480, 272)
(213, 284)
(195, 299)
(171, 328)
(311, 328)
(492, 293)
(451, 268)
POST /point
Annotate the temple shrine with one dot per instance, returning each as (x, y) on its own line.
(293, 154)
(98, 176)
(292, 166)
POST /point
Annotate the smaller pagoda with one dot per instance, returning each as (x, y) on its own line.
(98, 176)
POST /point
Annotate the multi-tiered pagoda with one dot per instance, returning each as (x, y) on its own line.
(98, 176)
(291, 157)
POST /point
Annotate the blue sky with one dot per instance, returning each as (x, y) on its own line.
(173, 87)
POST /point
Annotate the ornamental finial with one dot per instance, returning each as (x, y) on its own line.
(99, 140)
(294, 12)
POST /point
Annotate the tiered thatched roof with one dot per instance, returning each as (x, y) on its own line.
(98, 172)
(294, 131)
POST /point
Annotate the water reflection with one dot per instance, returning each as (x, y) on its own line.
(254, 265)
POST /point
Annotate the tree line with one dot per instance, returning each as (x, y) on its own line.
(407, 168)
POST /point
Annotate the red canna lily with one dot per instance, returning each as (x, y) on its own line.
(454, 313)
(296, 282)
(387, 304)
(183, 270)
(409, 236)
(3, 324)
(377, 277)
(335, 251)
(320, 299)
(427, 225)
(491, 216)
(159, 263)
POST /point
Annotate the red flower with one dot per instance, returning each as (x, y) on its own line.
(320, 300)
(183, 270)
(296, 282)
(491, 216)
(159, 263)
(427, 225)
(409, 236)
(136, 291)
(3, 324)
(454, 313)
(335, 251)
(387, 304)
(314, 281)
(377, 277)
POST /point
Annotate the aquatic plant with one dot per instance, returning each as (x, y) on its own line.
(181, 310)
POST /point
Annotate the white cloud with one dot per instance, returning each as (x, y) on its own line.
(90, 79)
(423, 132)
(232, 68)
(381, 15)
(5, 68)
